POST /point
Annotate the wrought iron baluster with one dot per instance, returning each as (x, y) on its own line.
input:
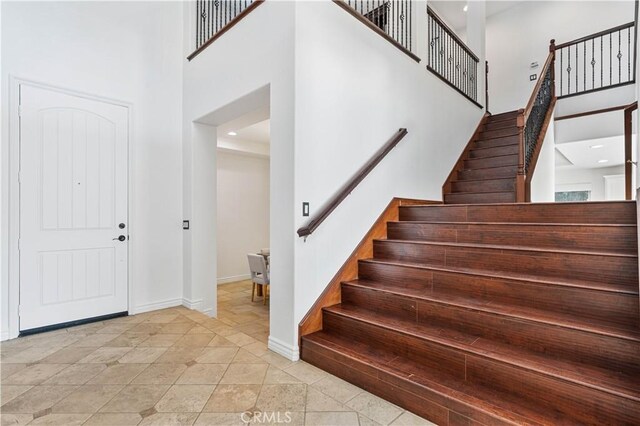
(593, 65)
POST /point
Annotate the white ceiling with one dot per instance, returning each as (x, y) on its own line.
(580, 155)
(451, 11)
(258, 132)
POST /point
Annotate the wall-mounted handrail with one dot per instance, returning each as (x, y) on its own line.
(344, 192)
(450, 59)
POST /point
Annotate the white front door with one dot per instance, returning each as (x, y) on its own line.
(614, 187)
(73, 207)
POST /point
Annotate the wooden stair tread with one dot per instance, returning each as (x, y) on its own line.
(574, 283)
(484, 180)
(519, 312)
(409, 375)
(517, 248)
(621, 384)
(454, 206)
(516, 224)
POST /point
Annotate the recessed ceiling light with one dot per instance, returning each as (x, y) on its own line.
(465, 8)
(232, 133)
(603, 161)
(596, 146)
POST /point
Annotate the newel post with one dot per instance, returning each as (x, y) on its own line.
(521, 177)
(552, 52)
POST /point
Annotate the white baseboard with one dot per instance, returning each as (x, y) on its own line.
(4, 335)
(233, 278)
(192, 304)
(170, 303)
(278, 346)
(208, 312)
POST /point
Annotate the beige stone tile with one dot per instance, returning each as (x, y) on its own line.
(179, 355)
(366, 421)
(61, 419)
(241, 339)
(127, 340)
(169, 419)
(194, 340)
(221, 341)
(217, 355)
(246, 357)
(145, 328)
(198, 329)
(68, 355)
(114, 419)
(410, 419)
(278, 418)
(245, 374)
(282, 397)
(277, 376)
(114, 328)
(135, 399)
(142, 355)
(185, 398)
(305, 372)
(161, 340)
(337, 388)
(105, 355)
(7, 419)
(202, 374)
(220, 419)
(34, 374)
(157, 374)
(277, 360)
(375, 408)
(256, 348)
(178, 328)
(87, 399)
(37, 399)
(329, 418)
(95, 340)
(232, 398)
(57, 340)
(76, 374)
(162, 318)
(9, 392)
(7, 370)
(118, 374)
(318, 401)
(29, 355)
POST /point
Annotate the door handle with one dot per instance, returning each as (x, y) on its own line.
(120, 238)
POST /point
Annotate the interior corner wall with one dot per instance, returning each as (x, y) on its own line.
(257, 53)
(520, 35)
(543, 181)
(128, 51)
(354, 90)
(242, 212)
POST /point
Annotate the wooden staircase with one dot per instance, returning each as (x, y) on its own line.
(487, 171)
(494, 313)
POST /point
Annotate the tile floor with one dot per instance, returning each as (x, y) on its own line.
(177, 367)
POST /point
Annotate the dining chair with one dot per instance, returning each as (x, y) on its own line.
(259, 275)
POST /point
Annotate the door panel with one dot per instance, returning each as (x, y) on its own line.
(73, 195)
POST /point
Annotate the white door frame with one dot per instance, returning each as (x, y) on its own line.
(14, 192)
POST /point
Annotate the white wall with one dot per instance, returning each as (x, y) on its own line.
(129, 51)
(353, 91)
(542, 183)
(520, 35)
(243, 212)
(578, 179)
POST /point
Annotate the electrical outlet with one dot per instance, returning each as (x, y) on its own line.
(533, 77)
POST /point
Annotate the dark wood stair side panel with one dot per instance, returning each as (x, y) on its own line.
(479, 197)
(486, 163)
(477, 152)
(622, 212)
(487, 185)
(614, 239)
(490, 173)
(589, 267)
(497, 142)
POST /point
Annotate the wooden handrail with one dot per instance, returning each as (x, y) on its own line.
(344, 192)
(628, 149)
(534, 94)
(595, 35)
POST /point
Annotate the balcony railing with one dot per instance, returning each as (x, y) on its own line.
(450, 59)
(599, 61)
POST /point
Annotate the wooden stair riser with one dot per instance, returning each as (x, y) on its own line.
(489, 185)
(596, 213)
(592, 268)
(493, 151)
(585, 304)
(510, 115)
(613, 239)
(500, 124)
(479, 198)
(539, 337)
(492, 173)
(497, 142)
(499, 133)
(485, 163)
(560, 395)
